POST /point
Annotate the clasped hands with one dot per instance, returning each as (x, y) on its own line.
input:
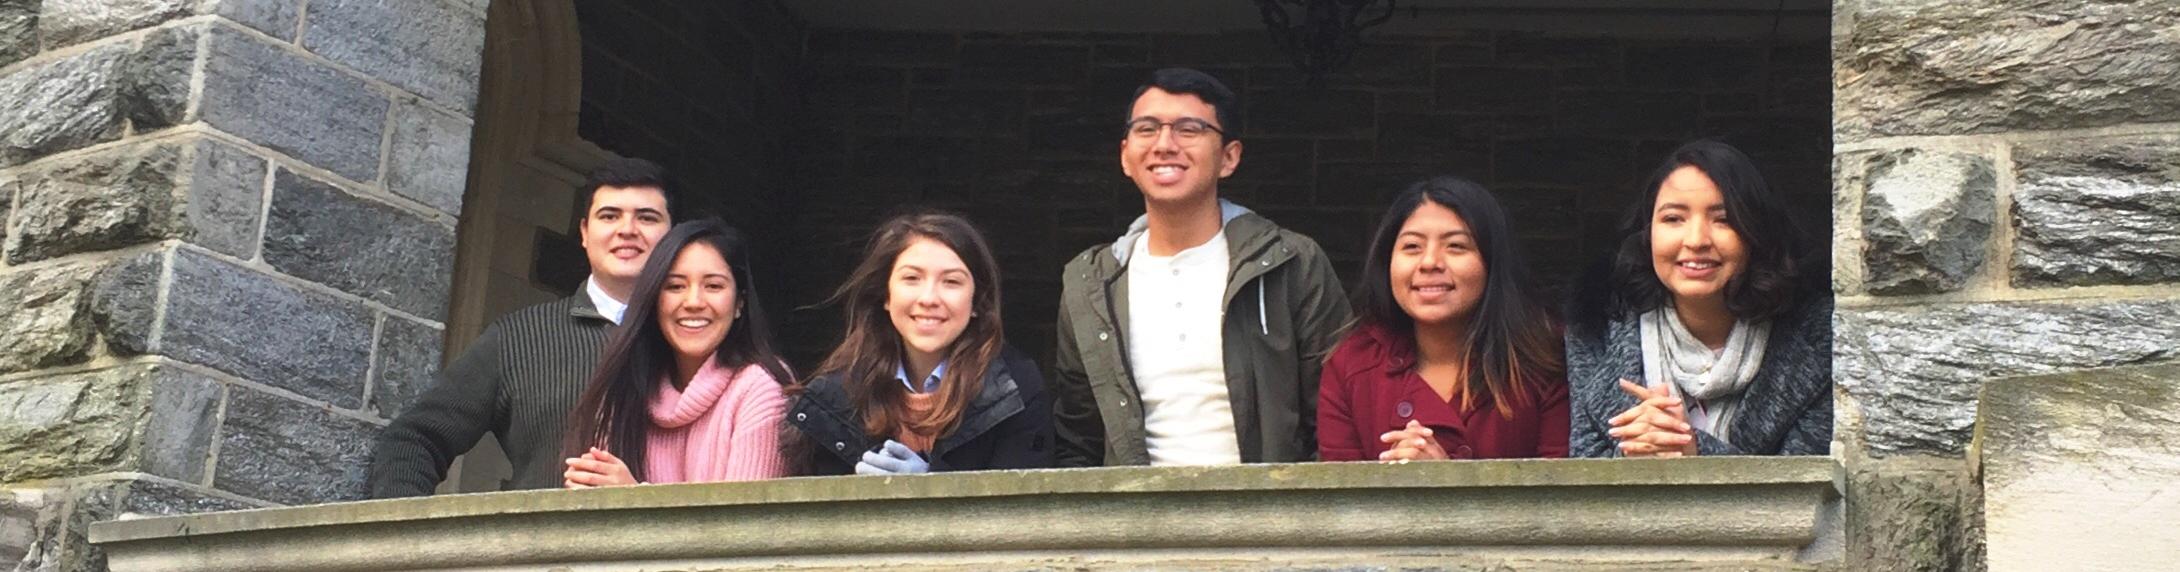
(1657, 426)
(596, 468)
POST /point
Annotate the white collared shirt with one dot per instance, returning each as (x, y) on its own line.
(1174, 347)
(607, 306)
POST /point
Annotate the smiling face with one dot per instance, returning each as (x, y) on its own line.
(1164, 166)
(1436, 273)
(619, 230)
(1693, 249)
(929, 296)
(697, 304)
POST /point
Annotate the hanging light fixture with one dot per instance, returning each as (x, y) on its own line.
(1322, 35)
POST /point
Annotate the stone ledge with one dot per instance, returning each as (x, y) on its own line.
(1762, 511)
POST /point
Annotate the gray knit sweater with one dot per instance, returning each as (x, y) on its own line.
(1786, 410)
(517, 381)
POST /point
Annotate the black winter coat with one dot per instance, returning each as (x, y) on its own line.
(1008, 425)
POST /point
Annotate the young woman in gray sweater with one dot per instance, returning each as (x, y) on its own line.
(1710, 331)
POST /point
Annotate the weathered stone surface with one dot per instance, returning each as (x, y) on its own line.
(225, 198)
(1916, 372)
(429, 160)
(291, 453)
(68, 425)
(177, 432)
(108, 201)
(1907, 68)
(29, 519)
(18, 30)
(319, 233)
(124, 301)
(44, 316)
(408, 356)
(255, 326)
(277, 18)
(1926, 219)
(2079, 469)
(2097, 213)
(1909, 516)
(103, 500)
(60, 105)
(127, 197)
(66, 23)
(432, 49)
(276, 98)
(156, 79)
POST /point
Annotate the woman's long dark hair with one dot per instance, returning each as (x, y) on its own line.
(613, 413)
(1777, 248)
(1510, 350)
(871, 352)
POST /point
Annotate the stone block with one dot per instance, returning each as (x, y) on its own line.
(408, 357)
(290, 452)
(28, 519)
(65, 23)
(322, 234)
(432, 49)
(1926, 220)
(1915, 372)
(276, 18)
(429, 159)
(18, 31)
(1903, 518)
(258, 327)
(143, 418)
(61, 105)
(2079, 469)
(124, 302)
(44, 316)
(1310, 112)
(105, 500)
(128, 196)
(276, 98)
(1916, 68)
(156, 79)
(2091, 213)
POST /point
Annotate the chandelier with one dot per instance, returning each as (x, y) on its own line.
(1322, 35)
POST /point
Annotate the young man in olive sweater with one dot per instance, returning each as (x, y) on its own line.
(518, 379)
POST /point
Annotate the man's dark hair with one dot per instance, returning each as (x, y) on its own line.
(628, 173)
(1179, 81)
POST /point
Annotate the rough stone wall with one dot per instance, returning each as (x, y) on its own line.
(2007, 203)
(707, 89)
(229, 234)
(1020, 132)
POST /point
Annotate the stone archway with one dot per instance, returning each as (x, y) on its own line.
(524, 166)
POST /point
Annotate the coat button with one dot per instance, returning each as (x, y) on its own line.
(1101, 336)
(1123, 403)
(1463, 452)
(802, 417)
(1264, 263)
(840, 445)
(1405, 409)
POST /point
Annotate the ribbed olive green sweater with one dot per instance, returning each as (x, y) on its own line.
(517, 381)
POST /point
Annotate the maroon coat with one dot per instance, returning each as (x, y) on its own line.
(1370, 386)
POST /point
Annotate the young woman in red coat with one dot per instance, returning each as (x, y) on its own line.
(1449, 358)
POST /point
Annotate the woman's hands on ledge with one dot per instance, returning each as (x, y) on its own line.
(1411, 443)
(1655, 427)
(597, 468)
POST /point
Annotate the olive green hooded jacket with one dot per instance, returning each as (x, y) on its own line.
(1284, 309)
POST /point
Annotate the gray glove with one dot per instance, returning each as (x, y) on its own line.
(893, 458)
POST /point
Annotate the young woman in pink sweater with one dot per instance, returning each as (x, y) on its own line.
(689, 389)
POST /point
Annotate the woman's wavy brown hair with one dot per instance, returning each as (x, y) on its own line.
(870, 351)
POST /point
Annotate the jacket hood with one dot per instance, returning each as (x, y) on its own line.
(1125, 245)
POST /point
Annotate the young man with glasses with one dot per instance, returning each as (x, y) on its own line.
(1197, 337)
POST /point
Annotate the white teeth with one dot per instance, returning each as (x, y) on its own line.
(1435, 289)
(1699, 265)
(693, 322)
(1165, 169)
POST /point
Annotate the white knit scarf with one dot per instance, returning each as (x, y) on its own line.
(1713, 379)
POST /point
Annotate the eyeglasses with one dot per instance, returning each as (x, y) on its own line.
(1186, 129)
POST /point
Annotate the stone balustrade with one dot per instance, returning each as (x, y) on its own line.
(1723, 513)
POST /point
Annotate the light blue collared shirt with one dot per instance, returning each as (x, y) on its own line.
(930, 382)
